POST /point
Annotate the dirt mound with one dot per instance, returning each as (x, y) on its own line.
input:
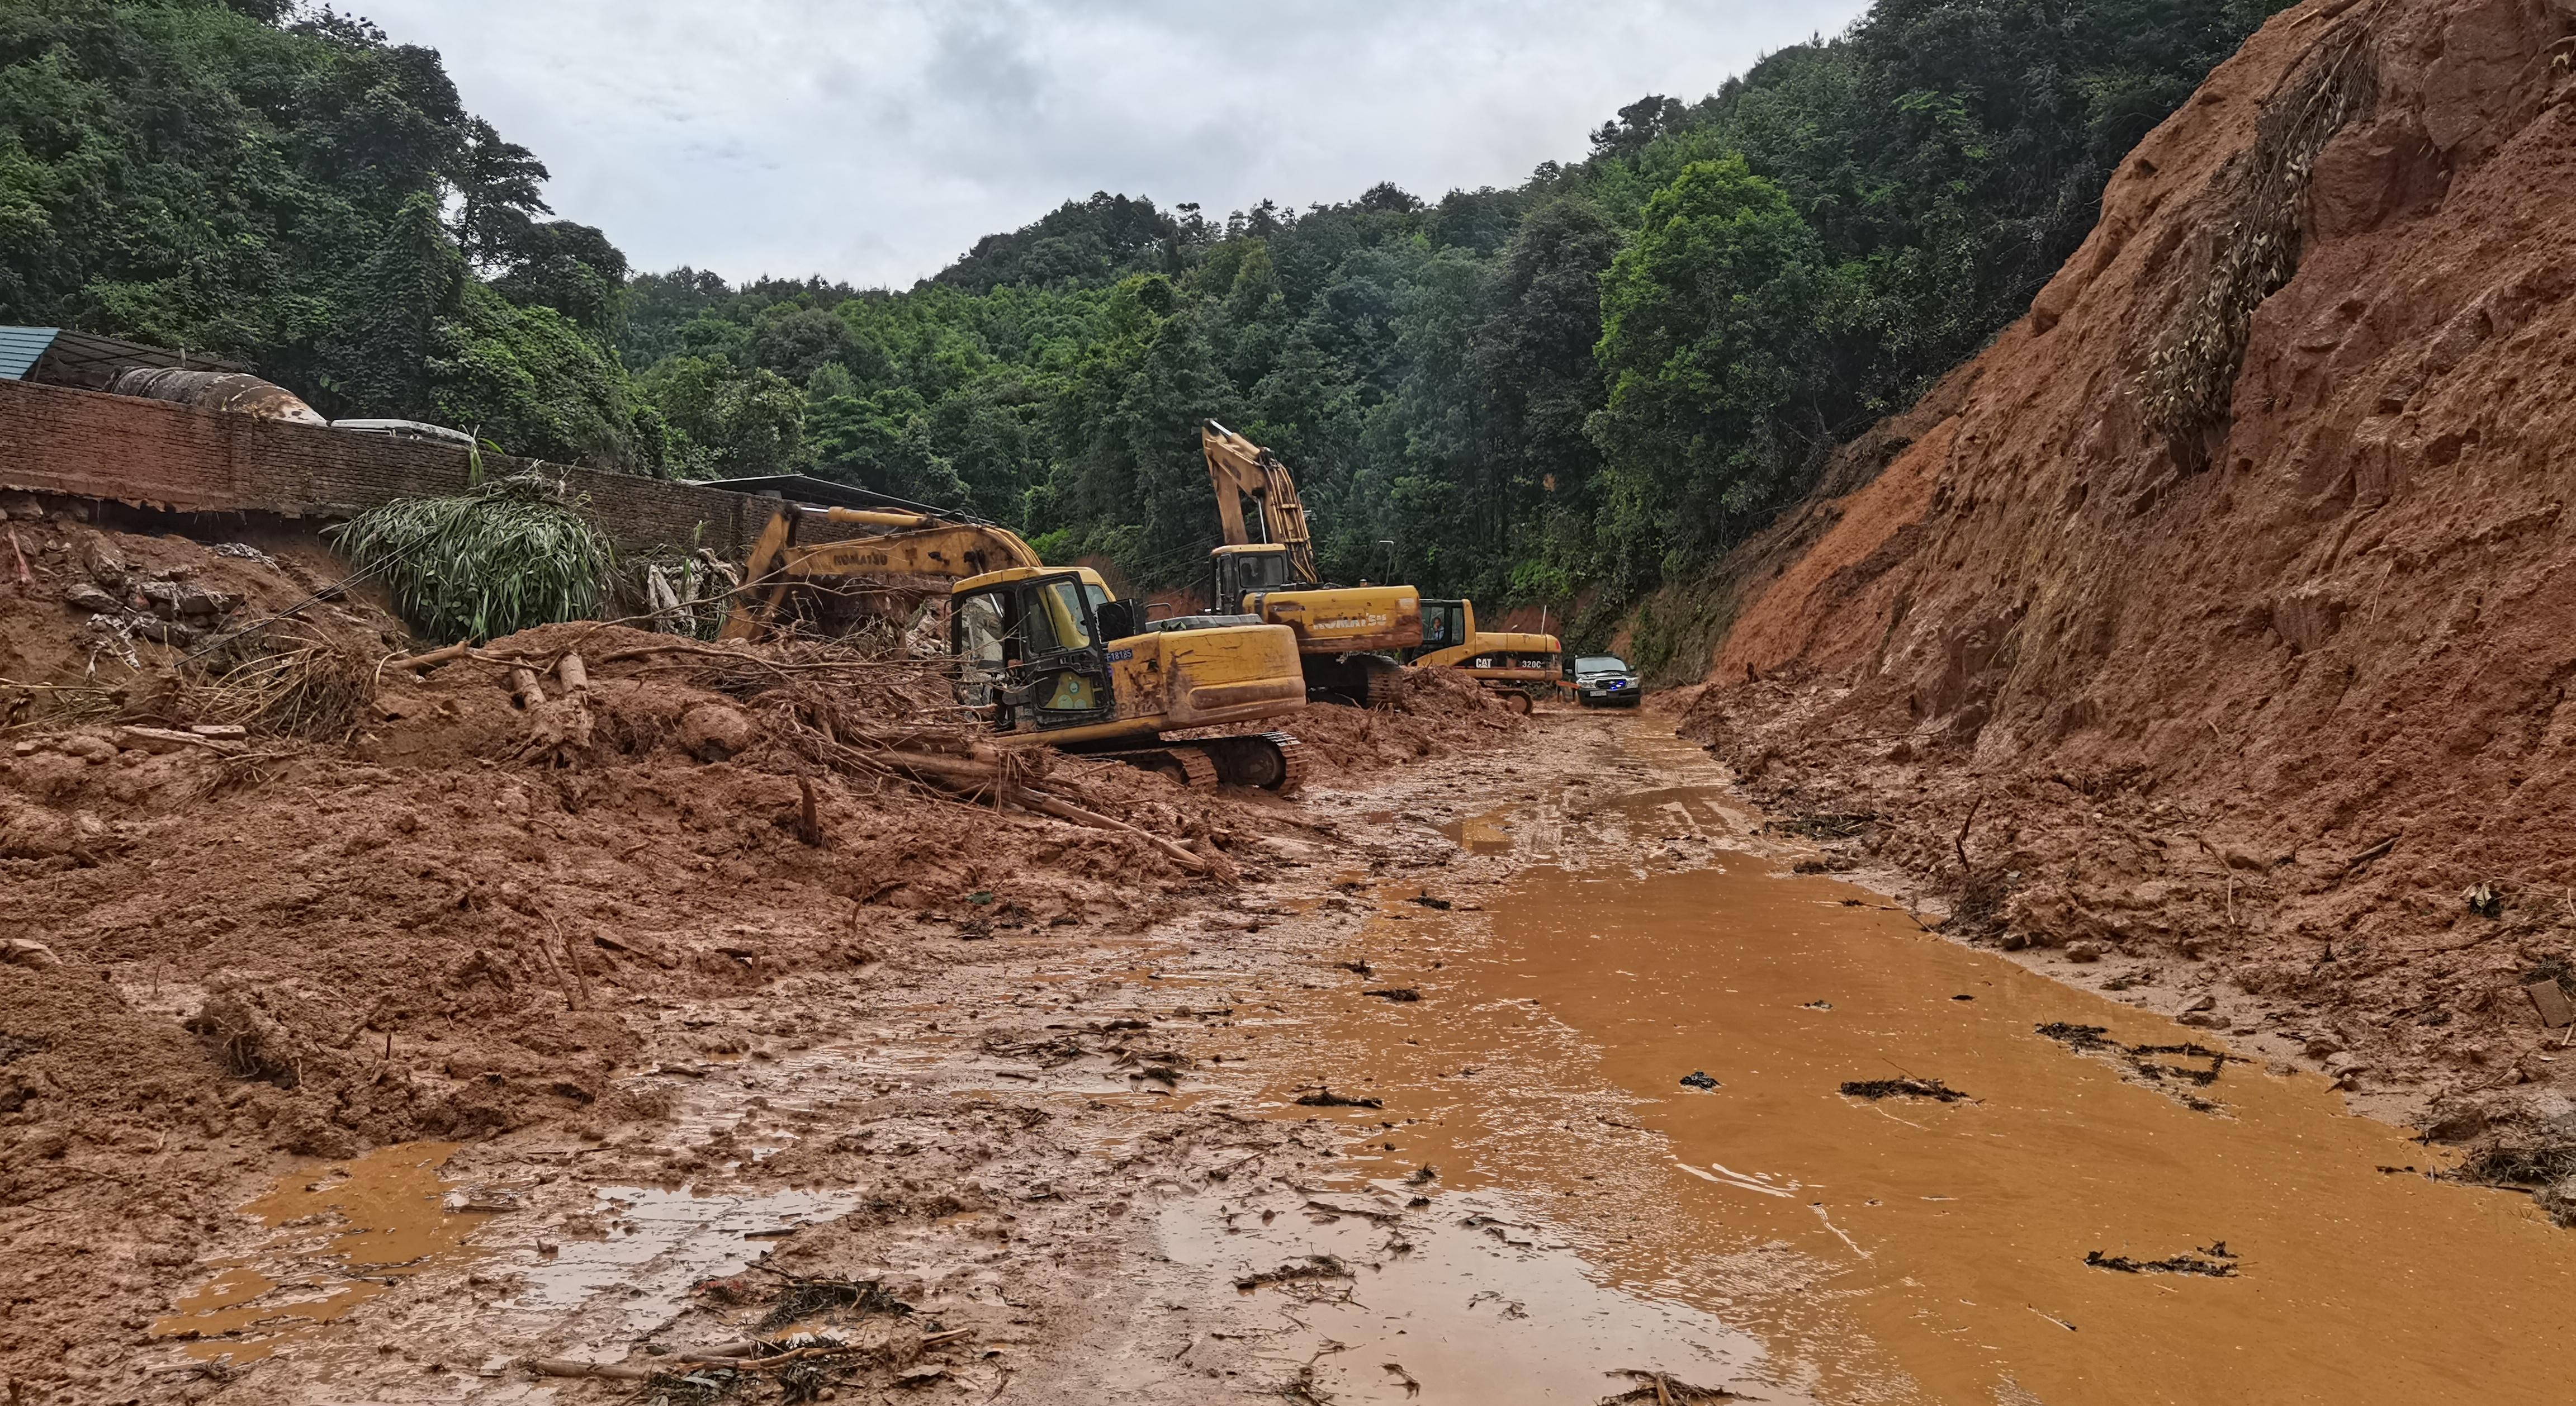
(104, 616)
(1420, 714)
(2263, 668)
(275, 890)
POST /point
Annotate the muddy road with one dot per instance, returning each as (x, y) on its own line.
(1554, 1082)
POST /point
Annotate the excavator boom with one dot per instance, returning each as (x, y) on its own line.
(914, 544)
(1240, 469)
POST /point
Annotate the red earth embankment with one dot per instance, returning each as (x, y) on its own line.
(2276, 690)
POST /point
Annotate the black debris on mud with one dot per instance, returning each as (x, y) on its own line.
(1398, 994)
(1666, 1390)
(1905, 1088)
(2078, 1037)
(805, 1298)
(1326, 1098)
(1699, 1079)
(2151, 1065)
(2542, 1163)
(1315, 1267)
(2213, 1261)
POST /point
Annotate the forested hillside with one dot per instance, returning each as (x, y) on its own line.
(292, 188)
(1566, 392)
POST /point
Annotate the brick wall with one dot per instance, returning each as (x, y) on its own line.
(155, 454)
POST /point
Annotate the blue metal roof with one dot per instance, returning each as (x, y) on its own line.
(21, 347)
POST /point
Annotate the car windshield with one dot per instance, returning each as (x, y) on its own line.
(1600, 664)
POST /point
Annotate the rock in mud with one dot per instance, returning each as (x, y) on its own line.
(713, 732)
(29, 953)
(81, 595)
(2084, 951)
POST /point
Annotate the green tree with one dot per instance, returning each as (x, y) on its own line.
(528, 379)
(496, 184)
(724, 421)
(1710, 321)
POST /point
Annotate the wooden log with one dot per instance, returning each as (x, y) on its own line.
(574, 673)
(524, 687)
(162, 739)
(963, 771)
(567, 1367)
(1045, 804)
(445, 654)
(809, 823)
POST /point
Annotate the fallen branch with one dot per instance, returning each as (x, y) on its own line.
(1959, 841)
(1063, 810)
(567, 1367)
(444, 654)
(162, 739)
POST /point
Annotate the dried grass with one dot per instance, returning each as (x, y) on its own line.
(2190, 379)
(280, 681)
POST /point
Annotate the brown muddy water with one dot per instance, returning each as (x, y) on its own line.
(1903, 1249)
(340, 1236)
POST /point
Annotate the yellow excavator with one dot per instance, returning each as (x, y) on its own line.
(1347, 637)
(1511, 662)
(1049, 652)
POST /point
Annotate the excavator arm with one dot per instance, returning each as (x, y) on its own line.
(913, 544)
(1241, 469)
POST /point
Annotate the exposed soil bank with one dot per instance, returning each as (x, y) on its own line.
(2273, 700)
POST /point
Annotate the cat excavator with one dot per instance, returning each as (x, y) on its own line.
(1048, 653)
(1346, 637)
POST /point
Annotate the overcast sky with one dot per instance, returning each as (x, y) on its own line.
(874, 140)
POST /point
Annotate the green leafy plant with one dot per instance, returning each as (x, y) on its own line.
(504, 555)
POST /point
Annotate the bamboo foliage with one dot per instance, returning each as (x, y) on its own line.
(504, 555)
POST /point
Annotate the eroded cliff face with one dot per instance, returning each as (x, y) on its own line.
(2202, 659)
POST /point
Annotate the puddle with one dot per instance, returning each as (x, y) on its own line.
(652, 1245)
(1466, 1300)
(1490, 833)
(1907, 1248)
(355, 1229)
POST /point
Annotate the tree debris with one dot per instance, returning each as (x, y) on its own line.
(1324, 1097)
(1908, 1087)
(2216, 1263)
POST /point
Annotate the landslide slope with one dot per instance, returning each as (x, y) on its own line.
(2272, 677)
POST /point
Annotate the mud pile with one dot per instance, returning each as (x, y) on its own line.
(1423, 713)
(274, 891)
(2264, 668)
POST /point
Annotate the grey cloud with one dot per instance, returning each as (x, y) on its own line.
(875, 140)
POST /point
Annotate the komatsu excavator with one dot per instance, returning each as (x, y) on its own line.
(1346, 637)
(1049, 652)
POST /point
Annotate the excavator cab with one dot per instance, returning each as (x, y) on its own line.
(1030, 646)
(1249, 570)
(1445, 625)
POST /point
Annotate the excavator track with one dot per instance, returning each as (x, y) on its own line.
(1272, 761)
(1183, 762)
